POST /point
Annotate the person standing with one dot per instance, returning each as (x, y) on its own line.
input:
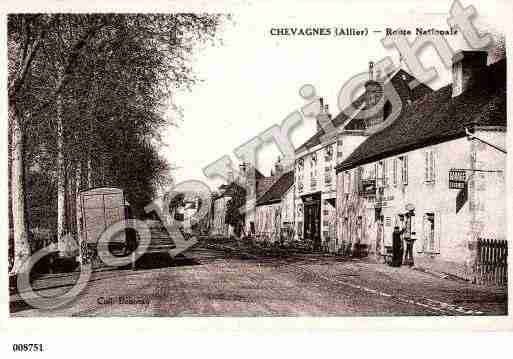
(397, 247)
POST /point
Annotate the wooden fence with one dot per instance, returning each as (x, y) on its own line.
(491, 264)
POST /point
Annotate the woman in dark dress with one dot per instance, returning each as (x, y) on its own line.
(397, 247)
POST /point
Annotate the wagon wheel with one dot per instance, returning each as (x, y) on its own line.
(131, 241)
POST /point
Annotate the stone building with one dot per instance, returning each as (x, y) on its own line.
(315, 177)
(438, 171)
(275, 209)
(218, 226)
(251, 179)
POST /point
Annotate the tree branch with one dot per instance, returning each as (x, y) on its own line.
(27, 58)
(71, 62)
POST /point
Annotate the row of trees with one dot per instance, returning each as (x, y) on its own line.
(87, 96)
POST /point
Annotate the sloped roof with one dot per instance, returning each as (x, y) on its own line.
(227, 190)
(277, 190)
(263, 184)
(436, 118)
(258, 174)
(399, 80)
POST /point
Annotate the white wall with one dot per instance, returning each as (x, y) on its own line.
(452, 228)
(219, 227)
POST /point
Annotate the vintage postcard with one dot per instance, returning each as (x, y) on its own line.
(305, 161)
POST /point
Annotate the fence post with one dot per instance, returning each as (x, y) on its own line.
(491, 265)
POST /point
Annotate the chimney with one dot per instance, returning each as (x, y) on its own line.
(371, 71)
(373, 94)
(324, 115)
(278, 168)
(230, 178)
(468, 68)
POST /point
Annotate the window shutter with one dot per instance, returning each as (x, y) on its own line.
(430, 165)
(360, 175)
(438, 231)
(433, 166)
(385, 173)
(353, 187)
(390, 171)
(425, 233)
(394, 171)
(405, 170)
(426, 166)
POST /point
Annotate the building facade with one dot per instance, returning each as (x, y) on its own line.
(274, 211)
(438, 172)
(219, 228)
(315, 175)
(255, 184)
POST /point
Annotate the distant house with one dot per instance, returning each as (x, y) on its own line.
(425, 174)
(219, 227)
(315, 177)
(250, 179)
(275, 209)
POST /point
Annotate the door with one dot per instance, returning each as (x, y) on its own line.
(380, 236)
(312, 223)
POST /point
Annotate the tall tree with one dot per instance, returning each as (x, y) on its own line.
(94, 88)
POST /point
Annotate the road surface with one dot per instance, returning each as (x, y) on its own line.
(211, 281)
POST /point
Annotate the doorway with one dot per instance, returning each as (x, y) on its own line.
(380, 234)
(312, 224)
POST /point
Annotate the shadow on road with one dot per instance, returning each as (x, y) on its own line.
(163, 260)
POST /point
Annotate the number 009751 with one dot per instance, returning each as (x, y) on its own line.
(27, 347)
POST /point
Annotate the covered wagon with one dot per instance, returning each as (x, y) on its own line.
(101, 208)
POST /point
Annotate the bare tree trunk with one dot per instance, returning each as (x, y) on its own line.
(78, 186)
(91, 113)
(61, 179)
(70, 199)
(89, 172)
(20, 225)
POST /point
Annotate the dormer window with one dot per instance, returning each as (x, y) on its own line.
(329, 153)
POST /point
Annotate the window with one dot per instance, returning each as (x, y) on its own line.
(404, 169)
(387, 109)
(359, 177)
(313, 181)
(313, 166)
(385, 173)
(300, 164)
(432, 231)
(429, 166)
(359, 229)
(394, 171)
(328, 174)
(347, 178)
(346, 230)
(429, 231)
(380, 174)
(314, 159)
(328, 156)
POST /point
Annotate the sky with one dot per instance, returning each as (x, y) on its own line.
(252, 80)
